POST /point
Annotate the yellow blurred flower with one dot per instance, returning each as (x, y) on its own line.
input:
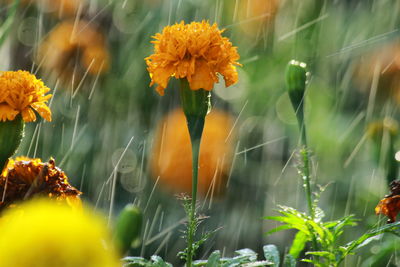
(57, 53)
(195, 51)
(22, 93)
(376, 129)
(25, 178)
(171, 158)
(45, 234)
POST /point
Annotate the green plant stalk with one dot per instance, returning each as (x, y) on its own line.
(305, 169)
(305, 172)
(11, 134)
(195, 126)
(195, 104)
(391, 163)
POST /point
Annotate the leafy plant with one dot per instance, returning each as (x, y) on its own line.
(191, 229)
(247, 258)
(155, 261)
(329, 252)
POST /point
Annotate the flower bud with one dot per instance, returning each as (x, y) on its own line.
(11, 133)
(296, 80)
(128, 227)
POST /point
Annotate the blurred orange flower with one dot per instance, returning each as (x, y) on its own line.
(390, 205)
(171, 159)
(195, 51)
(69, 39)
(24, 178)
(256, 15)
(62, 8)
(22, 93)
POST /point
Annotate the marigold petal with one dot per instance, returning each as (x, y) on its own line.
(230, 75)
(28, 115)
(202, 77)
(42, 109)
(7, 112)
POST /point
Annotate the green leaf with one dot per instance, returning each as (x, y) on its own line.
(258, 263)
(159, 262)
(134, 261)
(298, 244)
(271, 253)
(289, 261)
(248, 253)
(214, 258)
(279, 228)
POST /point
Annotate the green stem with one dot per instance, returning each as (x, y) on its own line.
(305, 158)
(195, 104)
(195, 126)
(11, 133)
(305, 169)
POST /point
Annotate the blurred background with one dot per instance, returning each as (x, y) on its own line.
(120, 142)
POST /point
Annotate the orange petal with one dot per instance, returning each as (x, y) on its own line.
(42, 109)
(202, 77)
(7, 112)
(28, 115)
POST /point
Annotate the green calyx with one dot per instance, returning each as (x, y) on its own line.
(11, 134)
(296, 80)
(195, 103)
(128, 227)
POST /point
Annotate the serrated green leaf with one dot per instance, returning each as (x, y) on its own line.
(271, 254)
(298, 244)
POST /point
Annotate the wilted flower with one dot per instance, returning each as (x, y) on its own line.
(46, 234)
(195, 51)
(390, 205)
(68, 39)
(171, 155)
(25, 178)
(22, 93)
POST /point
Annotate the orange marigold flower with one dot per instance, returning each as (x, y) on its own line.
(195, 51)
(390, 205)
(21, 92)
(171, 154)
(24, 178)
